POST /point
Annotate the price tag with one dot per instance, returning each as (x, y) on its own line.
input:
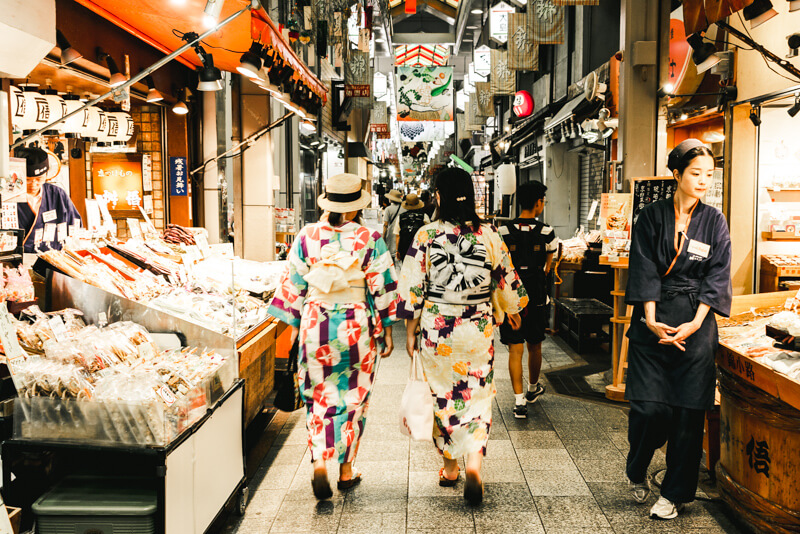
(166, 395)
(10, 220)
(93, 221)
(49, 233)
(202, 242)
(61, 229)
(106, 214)
(592, 210)
(59, 330)
(73, 229)
(134, 228)
(102, 318)
(8, 337)
(37, 236)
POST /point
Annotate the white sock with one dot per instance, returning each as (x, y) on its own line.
(520, 398)
(532, 387)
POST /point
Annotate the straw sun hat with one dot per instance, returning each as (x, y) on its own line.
(343, 194)
(413, 202)
(394, 195)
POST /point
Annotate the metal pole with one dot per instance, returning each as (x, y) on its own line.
(157, 65)
(782, 63)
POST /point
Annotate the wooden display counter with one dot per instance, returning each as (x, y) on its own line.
(759, 434)
(257, 350)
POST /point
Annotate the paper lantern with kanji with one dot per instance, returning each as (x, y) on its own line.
(523, 104)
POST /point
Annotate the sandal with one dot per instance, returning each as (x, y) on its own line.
(322, 489)
(473, 489)
(447, 482)
(343, 485)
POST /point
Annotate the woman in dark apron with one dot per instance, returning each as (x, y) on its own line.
(679, 277)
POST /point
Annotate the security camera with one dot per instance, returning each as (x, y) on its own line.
(794, 45)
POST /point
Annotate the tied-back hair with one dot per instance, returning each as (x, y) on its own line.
(456, 199)
(681, 164)
(336, 219)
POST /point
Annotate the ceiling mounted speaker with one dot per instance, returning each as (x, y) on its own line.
(593, 89)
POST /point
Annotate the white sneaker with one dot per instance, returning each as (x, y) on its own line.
(640, 491)
(665, 509)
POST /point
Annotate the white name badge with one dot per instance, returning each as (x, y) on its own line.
(49, 216)
(699, 249)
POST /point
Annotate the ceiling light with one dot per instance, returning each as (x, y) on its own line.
(704, 53)
(796, 107)
(472, 27)
(68, 54)
(212, 12)
(180, 108)
(477, 12)
(754, 118)
(116, 78)
(684, 116)
(210, 77)
(759, 12)
(250, 62)
(152, 95)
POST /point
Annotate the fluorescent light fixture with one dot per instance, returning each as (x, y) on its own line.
(477, 12)
(212, 12)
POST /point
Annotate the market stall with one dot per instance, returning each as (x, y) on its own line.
(759, 384)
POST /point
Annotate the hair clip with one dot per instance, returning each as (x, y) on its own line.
(461, 199)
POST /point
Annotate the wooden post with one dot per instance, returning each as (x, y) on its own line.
(619, 327)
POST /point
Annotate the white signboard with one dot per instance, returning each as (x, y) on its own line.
(482, 63)
(498, 22)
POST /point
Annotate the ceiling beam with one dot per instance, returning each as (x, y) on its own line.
(441, 10)
(464, 8)
(423, 38)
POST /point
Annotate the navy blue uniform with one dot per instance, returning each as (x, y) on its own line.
(669, 389)
(54, 199)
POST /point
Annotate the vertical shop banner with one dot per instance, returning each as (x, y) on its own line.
(485, 99)
(379, 123)
(547, 21)
(425, 94)
(357, 75)
(177, 177)
(473, 119)
(523, 51)
(503, 79)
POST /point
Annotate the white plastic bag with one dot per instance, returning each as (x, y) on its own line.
(416, 406)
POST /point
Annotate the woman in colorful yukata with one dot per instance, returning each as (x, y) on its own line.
(47, 214)
(340, 296)
(678, 278)
(456, 284)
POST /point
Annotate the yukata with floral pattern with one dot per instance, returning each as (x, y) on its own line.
(338, 337)
(456, 281)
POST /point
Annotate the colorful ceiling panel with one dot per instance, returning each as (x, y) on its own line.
(421, 55)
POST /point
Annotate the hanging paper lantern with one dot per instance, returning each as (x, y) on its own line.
(523, 104)
(73, 126)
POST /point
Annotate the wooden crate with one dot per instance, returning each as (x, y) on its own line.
(773, 268)
(257, 368)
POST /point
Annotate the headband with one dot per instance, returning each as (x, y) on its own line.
(680, 151)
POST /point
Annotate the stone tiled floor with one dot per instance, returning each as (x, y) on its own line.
(560, 471)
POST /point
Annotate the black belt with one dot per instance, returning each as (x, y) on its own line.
(690, 288)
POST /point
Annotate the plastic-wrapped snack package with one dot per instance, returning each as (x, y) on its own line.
(73, 320)
(27, 337)
(18, 284)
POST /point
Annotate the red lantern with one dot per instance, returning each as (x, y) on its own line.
(523, 104)
(411, 6)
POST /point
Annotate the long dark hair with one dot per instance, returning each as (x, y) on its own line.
(335, 219)
(456, 198)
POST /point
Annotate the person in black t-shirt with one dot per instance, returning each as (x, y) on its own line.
(532, 245)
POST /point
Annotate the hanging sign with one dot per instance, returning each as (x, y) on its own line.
(485, 99)
(504, 80)
(576, 2)
(523, 51)
(425, 93)
(357, 75)
(177, 177)
(547, 21)
(498, 21)
(473, 121)
(118, 184)
(523, 104)
(482, 61)
(380, 119)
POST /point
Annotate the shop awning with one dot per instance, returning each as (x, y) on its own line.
(161, 24)
(565, 113)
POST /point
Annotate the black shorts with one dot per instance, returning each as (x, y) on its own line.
(534, 322)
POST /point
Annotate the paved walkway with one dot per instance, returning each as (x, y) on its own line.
(560, 471)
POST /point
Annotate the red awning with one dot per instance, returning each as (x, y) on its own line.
(160, 24)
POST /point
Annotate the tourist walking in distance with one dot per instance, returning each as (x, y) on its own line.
(408, 223)
(531, 244)
(678, 278)
(456, 281)
(339, 295)
(390, 216)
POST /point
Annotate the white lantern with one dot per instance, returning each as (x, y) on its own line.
(120, 127)
(506, 176)
(18, 107)
(72, 127)
(94, 123)
(51, 110)
(27, 109)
